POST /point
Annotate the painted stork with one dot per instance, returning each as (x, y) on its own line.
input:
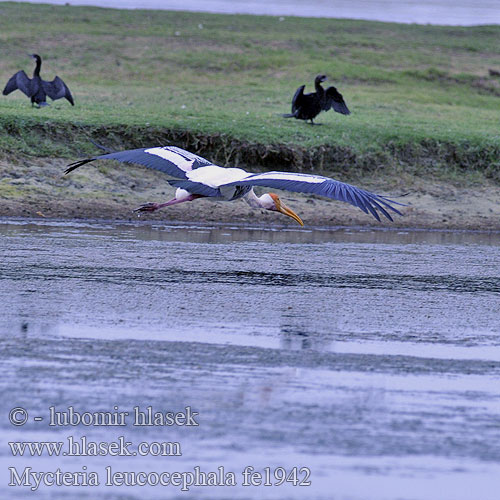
(36, 88)
(309, 106)
(196, 177)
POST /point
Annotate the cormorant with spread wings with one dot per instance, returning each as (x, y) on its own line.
(36, 88)
(309, 106)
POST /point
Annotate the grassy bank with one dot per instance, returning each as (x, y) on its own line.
(421, 96)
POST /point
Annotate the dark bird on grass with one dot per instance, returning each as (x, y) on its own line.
(36, 88)
(196, 177)
(309, 106)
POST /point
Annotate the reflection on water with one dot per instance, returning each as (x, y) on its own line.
(370, 356)
(222, 233)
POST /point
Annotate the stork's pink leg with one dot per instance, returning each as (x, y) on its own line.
(152, 207)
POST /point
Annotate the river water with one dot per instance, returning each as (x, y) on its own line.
(448, 12)
(371, 358)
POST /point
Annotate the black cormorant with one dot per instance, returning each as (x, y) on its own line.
(308, 106)
(36, 88)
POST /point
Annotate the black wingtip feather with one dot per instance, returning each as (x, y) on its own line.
(76, 164)
(382, 209)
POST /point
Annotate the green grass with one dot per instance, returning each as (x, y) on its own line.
(420, 96)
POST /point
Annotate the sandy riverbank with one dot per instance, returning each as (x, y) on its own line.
(36, 188)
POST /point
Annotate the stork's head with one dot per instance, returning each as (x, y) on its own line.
(320, 78)
(271, 201)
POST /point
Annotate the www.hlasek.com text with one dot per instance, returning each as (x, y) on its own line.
(84, 447)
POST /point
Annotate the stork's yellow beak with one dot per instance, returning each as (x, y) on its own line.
(288, 211)
(281, 207)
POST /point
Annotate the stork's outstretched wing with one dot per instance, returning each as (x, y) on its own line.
(20, 81)
(56, 89)
(170, 160)
(323, 186)
(333, 99)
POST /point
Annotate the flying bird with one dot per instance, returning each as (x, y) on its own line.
(36, 88)
(309, 106)
(196, 177)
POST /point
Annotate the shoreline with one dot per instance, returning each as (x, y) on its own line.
(450, 200)
(324, 214)
(105, 193)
